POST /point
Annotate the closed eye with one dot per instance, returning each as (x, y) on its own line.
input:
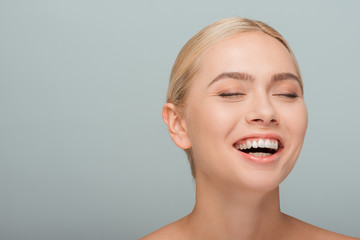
(231, 94)
(288, 95)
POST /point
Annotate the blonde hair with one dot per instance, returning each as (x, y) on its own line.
(188, 61)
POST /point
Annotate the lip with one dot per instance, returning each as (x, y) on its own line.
(262, 160)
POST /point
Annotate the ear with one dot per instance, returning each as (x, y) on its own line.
(176, 125)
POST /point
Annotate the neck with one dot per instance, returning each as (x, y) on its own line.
(221, 212)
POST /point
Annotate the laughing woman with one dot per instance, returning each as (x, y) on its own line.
(235, 105)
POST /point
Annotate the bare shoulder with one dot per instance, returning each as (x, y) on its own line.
(303, 230)
(174, 231)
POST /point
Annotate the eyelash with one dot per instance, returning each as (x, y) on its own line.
(231, 94)
(234, 94)
(289, 95)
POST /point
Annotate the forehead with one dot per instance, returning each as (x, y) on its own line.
(254, 52)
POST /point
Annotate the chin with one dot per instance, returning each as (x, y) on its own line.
(246, 180)
(263, 187)
(260, 182)
(262, 176)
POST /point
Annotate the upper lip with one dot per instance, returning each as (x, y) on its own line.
(262, 136)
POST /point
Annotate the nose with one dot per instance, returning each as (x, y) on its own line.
(262, 113)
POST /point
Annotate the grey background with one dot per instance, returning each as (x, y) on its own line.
(84, 153)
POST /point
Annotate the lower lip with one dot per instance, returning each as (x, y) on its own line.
(261, 160)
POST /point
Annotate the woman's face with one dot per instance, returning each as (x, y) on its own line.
(245, 113)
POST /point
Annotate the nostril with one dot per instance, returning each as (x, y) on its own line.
(265, 121)
(262, 118)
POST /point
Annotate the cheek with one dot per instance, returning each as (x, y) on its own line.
(296, 119)
(209, 125)
(209, 119)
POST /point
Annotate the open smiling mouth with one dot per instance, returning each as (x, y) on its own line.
(259, 147)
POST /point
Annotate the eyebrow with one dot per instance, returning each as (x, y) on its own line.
(248, 77)
(233, 75)
(285, 76)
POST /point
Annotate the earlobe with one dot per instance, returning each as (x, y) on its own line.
(176, 125)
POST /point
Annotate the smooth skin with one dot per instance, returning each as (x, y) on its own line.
(237, 198)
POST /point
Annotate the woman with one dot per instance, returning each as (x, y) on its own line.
(235, 105)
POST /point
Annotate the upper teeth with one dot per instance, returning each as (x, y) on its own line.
(258, 143)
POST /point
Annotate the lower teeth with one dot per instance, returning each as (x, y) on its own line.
(259, 154)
